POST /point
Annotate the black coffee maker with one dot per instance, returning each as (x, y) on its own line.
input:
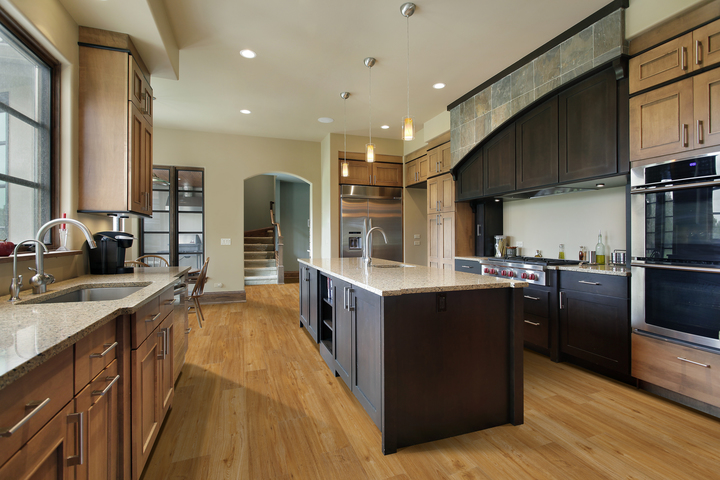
(109, 256)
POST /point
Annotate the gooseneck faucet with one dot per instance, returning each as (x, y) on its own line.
(16, 283)
(40, 280)
(367, 257)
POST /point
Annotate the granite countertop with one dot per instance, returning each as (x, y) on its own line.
(405, 280)
(31, 333)
(617, 270)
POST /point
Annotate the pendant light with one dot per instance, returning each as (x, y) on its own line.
(408, 127)
(370, 147)
(345, 166)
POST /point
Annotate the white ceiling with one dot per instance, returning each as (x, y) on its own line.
(311, 50)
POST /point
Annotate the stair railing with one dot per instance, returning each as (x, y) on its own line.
(278, 248)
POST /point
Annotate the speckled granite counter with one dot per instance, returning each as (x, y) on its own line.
(404, 280)
(31, 333)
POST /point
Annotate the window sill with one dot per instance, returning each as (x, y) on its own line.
(51, 254)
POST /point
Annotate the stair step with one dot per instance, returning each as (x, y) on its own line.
(262, 271)
(261, 280)
(260, 255)
(259, 262)
(259, 247)
(254, 240)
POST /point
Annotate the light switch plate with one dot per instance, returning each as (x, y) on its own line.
(417, 235)
(518, 244)
(225, 241)
(416, 242)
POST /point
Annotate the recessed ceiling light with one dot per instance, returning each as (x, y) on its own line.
(248, 53)
(385, 127)
(438, 86)
(246, 112)
(325, 120)
(599, 185)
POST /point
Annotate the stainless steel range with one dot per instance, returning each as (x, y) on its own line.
(528, 269)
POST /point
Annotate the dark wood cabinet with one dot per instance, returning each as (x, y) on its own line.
(367, 354)
(594, 321)
(343, 332)
(469, 183)
(588, 128)
(499, 162)
(536, 329)
(536, 151)
(309, 301)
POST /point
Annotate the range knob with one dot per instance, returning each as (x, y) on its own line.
(532, 276)
(523, 275)
(511, 274)
(503, 273)
(487, 270)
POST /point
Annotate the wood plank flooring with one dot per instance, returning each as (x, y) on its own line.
(256, 401)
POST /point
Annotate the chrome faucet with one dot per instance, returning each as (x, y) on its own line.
(367, 252)
(16, 283)
(40, 280)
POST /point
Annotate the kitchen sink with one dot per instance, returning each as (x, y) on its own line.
(91, 294)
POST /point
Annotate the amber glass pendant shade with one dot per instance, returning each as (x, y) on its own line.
(370, 152)
(408, 129)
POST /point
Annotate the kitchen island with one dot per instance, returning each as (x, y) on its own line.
(428, 353)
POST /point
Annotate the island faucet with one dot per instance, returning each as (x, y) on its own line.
(16, 283)
(367, 251)
(40, 280)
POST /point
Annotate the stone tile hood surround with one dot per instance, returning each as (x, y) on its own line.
(475, 118)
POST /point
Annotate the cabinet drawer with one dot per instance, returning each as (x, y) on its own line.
(52, 380)
(594, 283)
(535, 330)
(661, 64)
(670, 366)
(95, 352)
(536, 302)
(469, 266)
(150, 315)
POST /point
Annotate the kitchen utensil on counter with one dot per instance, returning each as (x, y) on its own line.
(618, 257)
(500, 245)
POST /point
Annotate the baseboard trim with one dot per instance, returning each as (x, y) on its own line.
(216, 298)
(292, 277)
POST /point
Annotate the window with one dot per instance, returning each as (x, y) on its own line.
(176, 229)
(29, 80)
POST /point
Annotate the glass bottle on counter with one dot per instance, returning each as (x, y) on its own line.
(600, 250)
(581, 253)
(561, 254)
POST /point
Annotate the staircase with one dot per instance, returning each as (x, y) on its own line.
(260, 265)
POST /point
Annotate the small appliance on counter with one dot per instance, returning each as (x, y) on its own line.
(109, 257)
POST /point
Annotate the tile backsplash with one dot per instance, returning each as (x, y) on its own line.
(474, 119)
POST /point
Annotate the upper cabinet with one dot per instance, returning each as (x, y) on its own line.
(536, 151)
(379, 174)
(469, 183)
(499, 162)
(439, 160)
(676, 58)
(115, 122)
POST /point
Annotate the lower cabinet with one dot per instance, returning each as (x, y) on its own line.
(595, 320)
(309, 301)
(536, 329)
(343, 332)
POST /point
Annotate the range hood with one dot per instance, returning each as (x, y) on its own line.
(587, 186)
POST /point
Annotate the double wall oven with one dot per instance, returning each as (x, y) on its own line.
(675, 214)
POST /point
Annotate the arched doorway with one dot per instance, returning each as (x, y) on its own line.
(268, 259)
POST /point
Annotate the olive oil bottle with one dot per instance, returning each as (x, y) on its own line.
(600, 250)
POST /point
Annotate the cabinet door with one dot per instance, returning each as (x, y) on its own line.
(661, 64)
(434, 161)
(536, 328)
(588, 128)
(470, 179)
(166, 332)
(447, 193)
(343, 332)
(595, 328)
(367, 352)
(536, 151)
(433, 237)
(445, 158)
(44, 456)
(139, 163)
(359, 173)
(423, 168)
(499, 162)
(101, 434)
(706, 90)
(136, 88)
(304, 295)
(146, 401)
(434, 195)
(706, 44)
(661, 121)
(387, 174)
(446, 244)
(411, 173)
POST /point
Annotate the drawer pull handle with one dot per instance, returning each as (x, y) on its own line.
(588, 283)
(169, 302)
(36, 407)
(154, 317)
(694, 363)
(531, 298)
(108, 348)
(188, 330)
(532, 323)
(78, 459)
(466, 266)
(112, 380)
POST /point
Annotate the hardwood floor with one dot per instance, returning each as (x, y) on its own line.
(256, 401)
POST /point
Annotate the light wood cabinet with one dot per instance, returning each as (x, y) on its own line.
(380, 174)
(115, 123)
(417, 171)
(706, 42)
(146, 400)
(167, 377)
(441, 194)
(411, 173)
(359, 172)
(441, 240)
(439, 160)
(706, 102)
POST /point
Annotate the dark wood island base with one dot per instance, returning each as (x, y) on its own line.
(425, 366)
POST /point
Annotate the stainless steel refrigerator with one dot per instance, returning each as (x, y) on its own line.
(362, 208)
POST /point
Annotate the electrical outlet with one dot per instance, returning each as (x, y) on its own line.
(417, 235)
(518, 244)
(416, 242)
(218, 285)
(225, 241)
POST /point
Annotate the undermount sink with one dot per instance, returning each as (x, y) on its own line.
(91, 294)
(397, 265)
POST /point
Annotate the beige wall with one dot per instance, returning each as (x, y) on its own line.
(228, 160)
(643, 15)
